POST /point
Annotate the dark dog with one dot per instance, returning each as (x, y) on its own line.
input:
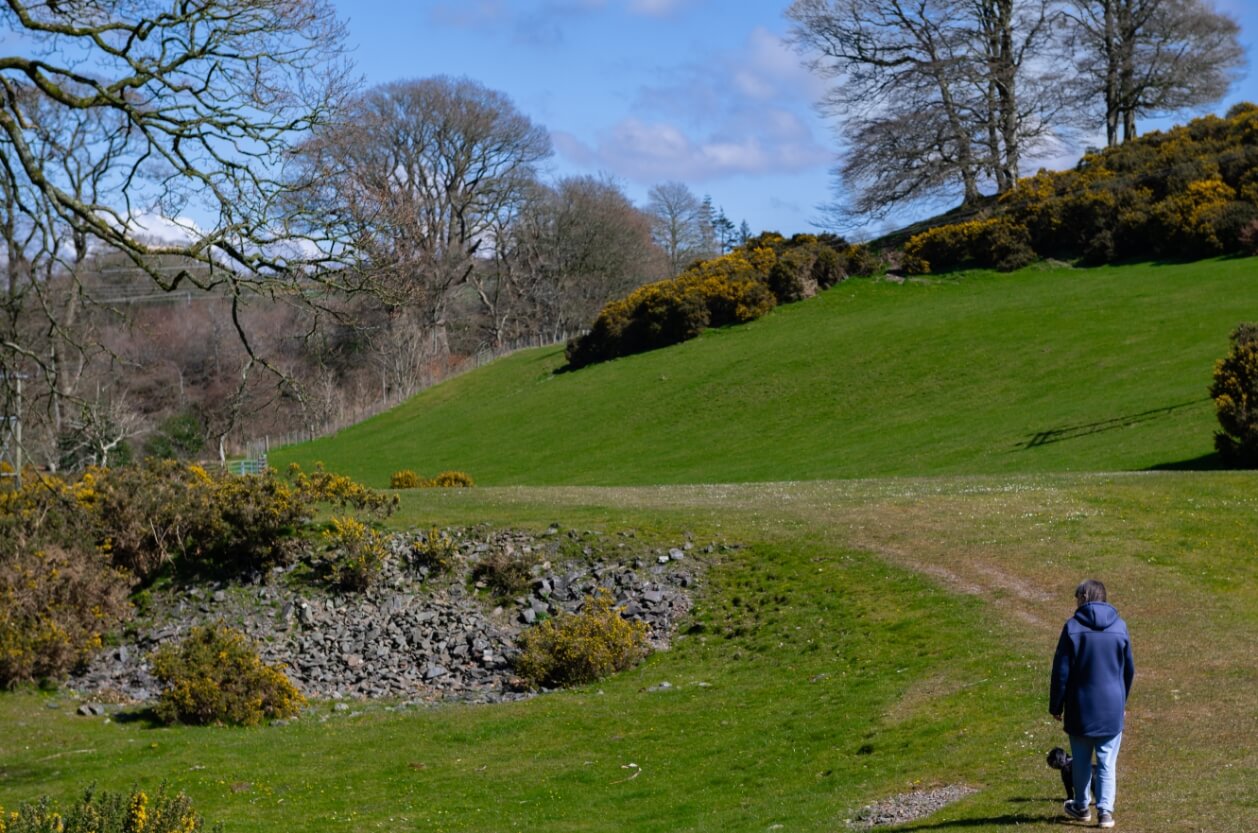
(1058, 759)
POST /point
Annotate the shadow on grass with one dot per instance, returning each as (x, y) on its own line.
(1045, 819)
(145, 716)
(999, 822)
(1084, 429)
(1206, 462)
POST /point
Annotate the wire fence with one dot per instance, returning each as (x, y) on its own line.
(433, 375)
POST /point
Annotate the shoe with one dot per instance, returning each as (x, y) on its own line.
(1075, 813)
(1106, 819)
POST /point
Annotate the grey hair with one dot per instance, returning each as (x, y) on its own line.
(1090, 590)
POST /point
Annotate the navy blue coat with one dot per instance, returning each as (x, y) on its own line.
(1092, 672)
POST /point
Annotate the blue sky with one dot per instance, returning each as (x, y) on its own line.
(700, 91)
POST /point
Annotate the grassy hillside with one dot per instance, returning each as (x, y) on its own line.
(873, 637)
(1041, 370)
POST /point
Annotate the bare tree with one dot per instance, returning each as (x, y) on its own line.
(677, 224)
(1139, 58)
(574, 246)
(117, 114)
(421, 173)
(931, 97)
(894, 61)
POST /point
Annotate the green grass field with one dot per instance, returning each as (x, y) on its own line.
(1042, 370)
(874, 636)
(940, 464)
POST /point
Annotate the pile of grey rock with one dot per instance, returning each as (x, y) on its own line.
(414, 635)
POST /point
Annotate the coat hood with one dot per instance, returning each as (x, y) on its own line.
(1096, 616)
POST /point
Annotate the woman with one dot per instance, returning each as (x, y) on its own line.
(1092, 674)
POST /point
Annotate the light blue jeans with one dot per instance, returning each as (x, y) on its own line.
(1106, 749)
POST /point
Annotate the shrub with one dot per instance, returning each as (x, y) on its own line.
(453, 480)
(55, 604)
(1189, 221)
(434, 551)
(259, 517)
(45, 511)
(406, 479)
(147, 515)
(355, 553)
(827, 269)
(994, 243)
(791, 278)
(322, 486)
(504, 572)
(179, 437)
(861, 260)
(578, 648)
(216, 677)
(106, 812)
(1235, 394)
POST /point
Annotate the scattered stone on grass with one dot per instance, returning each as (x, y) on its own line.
(910, 806)
(413, 635)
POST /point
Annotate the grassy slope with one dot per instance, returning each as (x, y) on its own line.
(1042, 370)
(874, 636)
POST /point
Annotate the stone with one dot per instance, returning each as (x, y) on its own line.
(676, 554)
(386, 642)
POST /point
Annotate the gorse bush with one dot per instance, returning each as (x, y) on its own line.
(145, 516)
(736, 287)
(106, 812)
(577, 648)
(406, 478)
(356, 554)
(55, 605)
(453, 480)
(995, 242)
(71, 550)
(214, 676)
(434, 551)
(1187, 192)
(321, 486)
(1235, 394)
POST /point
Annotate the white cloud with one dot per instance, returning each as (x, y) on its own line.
(654, 151)
(735, 112)
(156, 229)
